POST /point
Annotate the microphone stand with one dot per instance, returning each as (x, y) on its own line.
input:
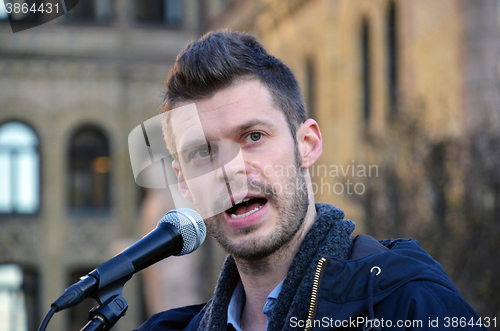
(112, 306)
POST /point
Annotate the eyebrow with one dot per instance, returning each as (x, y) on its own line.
(193, 143)
(240, 128)
(249, 124)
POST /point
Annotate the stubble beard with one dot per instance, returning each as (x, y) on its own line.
(291, 207)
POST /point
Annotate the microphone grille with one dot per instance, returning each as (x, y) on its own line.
(191, 226)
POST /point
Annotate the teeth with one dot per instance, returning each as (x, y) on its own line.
(247, 213)
(244, 200)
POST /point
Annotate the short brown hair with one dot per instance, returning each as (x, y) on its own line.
(221, 58)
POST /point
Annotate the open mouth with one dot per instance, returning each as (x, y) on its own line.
(246, 207)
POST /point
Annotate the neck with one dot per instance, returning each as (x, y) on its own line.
(260, 277)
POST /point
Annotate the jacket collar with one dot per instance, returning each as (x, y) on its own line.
(329, 236)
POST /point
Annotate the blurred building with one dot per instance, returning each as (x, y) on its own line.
(402, 88)
(71, 90)
(360, 63)
(391, 83)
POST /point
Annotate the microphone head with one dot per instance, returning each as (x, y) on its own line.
(190, 225)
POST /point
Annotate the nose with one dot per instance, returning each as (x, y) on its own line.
(231, 162)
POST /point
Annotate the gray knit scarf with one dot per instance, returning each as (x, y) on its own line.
(330, 236)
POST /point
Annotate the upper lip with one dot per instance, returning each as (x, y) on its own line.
(238, 199)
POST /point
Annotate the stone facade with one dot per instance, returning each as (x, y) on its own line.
(430, 73)
(62, 75)
(56, 78)
(435, 149)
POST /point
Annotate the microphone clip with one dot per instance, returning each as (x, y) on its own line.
(112, 306)
(103, 317)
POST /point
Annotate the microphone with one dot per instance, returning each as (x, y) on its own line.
(179, 232)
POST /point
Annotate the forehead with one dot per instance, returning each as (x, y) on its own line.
(217, 117)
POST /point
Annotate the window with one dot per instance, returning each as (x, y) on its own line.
(18, 297)
(365, 71)
(100, 11)
(19, 169)
(89, 171)
(438, 180)
(168, 12)
(392, 60)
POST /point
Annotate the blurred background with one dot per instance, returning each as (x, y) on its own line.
(406, 93)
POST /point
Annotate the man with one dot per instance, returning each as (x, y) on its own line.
(292, 264)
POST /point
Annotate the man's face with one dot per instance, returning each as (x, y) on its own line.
(250, 158)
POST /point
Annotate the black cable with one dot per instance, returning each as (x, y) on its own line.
(47, 318)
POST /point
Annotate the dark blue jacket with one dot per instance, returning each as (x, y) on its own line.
(411, 292)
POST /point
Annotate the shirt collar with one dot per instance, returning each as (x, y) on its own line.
(237, 301)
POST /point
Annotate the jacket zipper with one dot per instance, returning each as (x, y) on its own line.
(314, 293)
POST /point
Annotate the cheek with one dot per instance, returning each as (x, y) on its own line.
(212, 223)
(215, 226)
(274, 162)
(281, 168)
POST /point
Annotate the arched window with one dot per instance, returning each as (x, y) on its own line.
(365, 71)
(89, 171)
(18, 298)
(19, 169)
(168, 12)
(392, 60)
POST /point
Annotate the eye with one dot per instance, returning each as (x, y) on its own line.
(203, 152)
(255, 136)
(198, 154)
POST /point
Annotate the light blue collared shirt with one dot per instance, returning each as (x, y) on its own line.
(236, 305)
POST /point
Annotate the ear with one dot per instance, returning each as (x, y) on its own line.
(310, 142)
(181, 182)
